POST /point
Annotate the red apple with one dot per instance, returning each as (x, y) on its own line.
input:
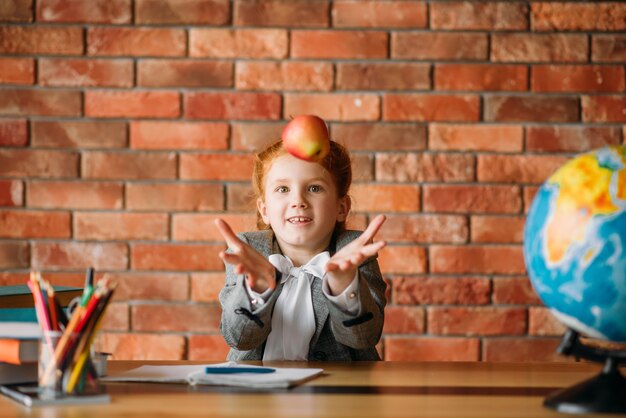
(306, 137)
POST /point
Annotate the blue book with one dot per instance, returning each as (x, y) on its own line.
(16, 302)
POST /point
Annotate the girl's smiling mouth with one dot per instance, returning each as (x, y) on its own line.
(299, 220)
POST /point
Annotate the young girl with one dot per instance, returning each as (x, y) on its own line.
(302, 287)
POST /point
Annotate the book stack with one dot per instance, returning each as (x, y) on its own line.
(19, 344)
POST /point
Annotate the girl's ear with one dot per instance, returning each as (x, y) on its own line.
(262, 208)
(345, 203)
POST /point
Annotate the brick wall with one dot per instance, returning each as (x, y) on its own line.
(127, 126)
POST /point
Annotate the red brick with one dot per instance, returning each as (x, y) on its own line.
(289, 13)
(115, 165)
(85, 72)
(40, 102)
(234, 105)
(524, 47)
(98, 11)
(385, 198)
(404, 320)
(205, 287)
(380, 136)
(338, 44)
(12, 278)
(11, 193)
(254, 136)
(379, 14)
(204, 12)
(441, 291)
(479, 16)
(132, 104)
(168, 318)
(577, 78)
(429, 107)
(514, 291)
(497, 229)
(75, 195)
(178, 135)
(230, 167)
(34, 224)
(13, 133)
(529, 194)
(472, 199)
(116, 318)
(340, 107)
(141, 346)
(496, 138)
(432, 349)
(402, 260)
(240, 197)
(17, 71)
(541, 322)
(476, 321)
(75, 255)
(174, 197)
(284, 75)
(134, 41)
(362, 167)
(570, 138)
(78, 134)
(439, 46)
(41, 40)
(480, 77)
(240, 43)
(150, 286)
(425, 167)
(14, 255)
(596, 16)
(177, 73)
(424, 229)
(604, 108)
(207, 347)
(201, 227)
(172, 257)
(608, 48)
(521, 350)
(517, 168)
(36, 163)
(531, 109)
(383, 76)
(121, 226)
(16, 11)
(484, 259)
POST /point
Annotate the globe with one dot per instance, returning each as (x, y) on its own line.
(575, 243)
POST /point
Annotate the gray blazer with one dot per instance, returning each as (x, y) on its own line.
(338, 335)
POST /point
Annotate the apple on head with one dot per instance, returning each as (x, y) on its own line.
(306, 137)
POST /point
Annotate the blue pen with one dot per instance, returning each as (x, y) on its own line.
(237, 369)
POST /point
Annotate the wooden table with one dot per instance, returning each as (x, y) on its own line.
(359, 390)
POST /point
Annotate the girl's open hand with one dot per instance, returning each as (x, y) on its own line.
(342, 266)
(260, 273)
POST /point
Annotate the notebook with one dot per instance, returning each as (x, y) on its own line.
(19, 296)
(197, 375)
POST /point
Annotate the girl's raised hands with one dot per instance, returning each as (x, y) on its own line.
(342, 266)
(260, 273)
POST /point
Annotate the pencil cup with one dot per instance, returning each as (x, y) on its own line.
(49, 370)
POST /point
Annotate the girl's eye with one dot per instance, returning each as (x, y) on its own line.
(315, 188)
(282, 189)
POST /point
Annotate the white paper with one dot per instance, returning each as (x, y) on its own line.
(195, 375)
(20, 330)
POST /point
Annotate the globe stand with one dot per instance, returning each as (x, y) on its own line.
(604, 393)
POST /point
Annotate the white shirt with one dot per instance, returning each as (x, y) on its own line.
(293, 319)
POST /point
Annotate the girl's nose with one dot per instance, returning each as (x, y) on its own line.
(298, 201)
